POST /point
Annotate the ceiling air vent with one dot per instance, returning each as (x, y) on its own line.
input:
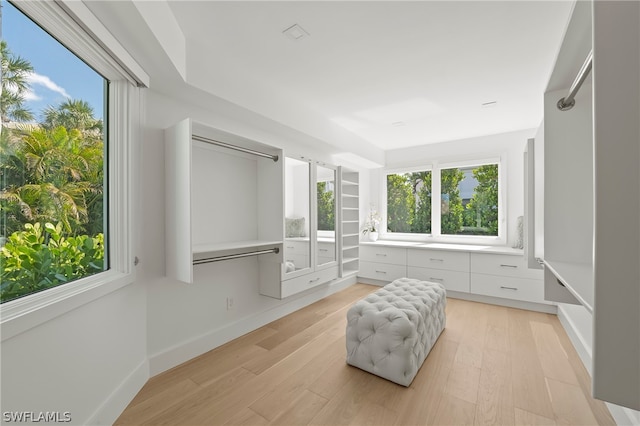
(295, 32)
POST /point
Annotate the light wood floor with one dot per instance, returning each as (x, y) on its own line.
(491, 366)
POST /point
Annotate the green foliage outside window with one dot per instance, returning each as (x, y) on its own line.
(52, 172)
(484, 204)
(326, 208)
(451, 204)
(40, 258)
(409, 202)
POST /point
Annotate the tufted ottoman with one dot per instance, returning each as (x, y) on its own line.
(390, 332)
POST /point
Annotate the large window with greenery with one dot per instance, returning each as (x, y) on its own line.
(53, 180)
(409, 202)
(468, 201)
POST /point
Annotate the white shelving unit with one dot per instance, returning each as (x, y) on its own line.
(592, 190)
(349, 221)
(220, 201)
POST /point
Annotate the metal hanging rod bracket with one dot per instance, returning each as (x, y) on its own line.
(234, 147)
(568, 101)
(275, 250)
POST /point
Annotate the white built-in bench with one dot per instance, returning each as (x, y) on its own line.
(391, 331)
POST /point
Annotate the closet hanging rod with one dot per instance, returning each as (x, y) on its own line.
(237, 148)
(568, 101)
(275, 250)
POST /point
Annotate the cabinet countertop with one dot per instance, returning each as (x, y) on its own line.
(446, 246)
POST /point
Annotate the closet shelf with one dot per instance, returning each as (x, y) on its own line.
(577, 278)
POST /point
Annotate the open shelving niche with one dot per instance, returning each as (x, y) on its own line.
(220, 202)
(349, 221)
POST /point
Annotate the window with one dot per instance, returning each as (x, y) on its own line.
(409, 202)
(54, 185)
(468, 204)
(74, 26)
(469, 200)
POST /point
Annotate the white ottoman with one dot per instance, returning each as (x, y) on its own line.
(391, 331)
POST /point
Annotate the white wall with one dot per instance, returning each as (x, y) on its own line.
(509, 146)
(78, 360)
(185, 320)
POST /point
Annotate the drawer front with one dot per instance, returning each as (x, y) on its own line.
(297, 247)
(508, 287)
(326, 253)
(452, 280)
(381, 271)
(305, 282)
(392, 255)
(501, 264)
(439, 259)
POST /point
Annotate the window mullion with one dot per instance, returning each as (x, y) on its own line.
(436, 206)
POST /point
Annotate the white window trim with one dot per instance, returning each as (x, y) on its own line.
(436, 236)
(124, 115)
(399, 236)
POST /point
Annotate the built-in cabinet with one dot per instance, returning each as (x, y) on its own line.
(498, 273)
(592, 189)
(220, 202)
(312, 228)
(228, 197)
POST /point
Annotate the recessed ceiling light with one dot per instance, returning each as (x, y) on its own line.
(489, 104)
(295, 32)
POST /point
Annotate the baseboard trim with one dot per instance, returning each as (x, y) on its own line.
(189, 349)
(511, 303)
(581, 346)
(114, 405)
(624, 416)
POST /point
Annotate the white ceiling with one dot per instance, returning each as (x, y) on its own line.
(395, 74)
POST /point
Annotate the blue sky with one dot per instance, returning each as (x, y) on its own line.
(58, 73)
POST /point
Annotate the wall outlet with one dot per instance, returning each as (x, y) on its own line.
(230, 303)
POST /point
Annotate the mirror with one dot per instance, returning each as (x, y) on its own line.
(297, 209)
(326, 202)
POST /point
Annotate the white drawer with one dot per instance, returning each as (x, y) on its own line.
(305, 282)
(296, 247)
(508, 287)
(392, 255)
(326, 252)
(452, 280)
(502, 264)
(439, 259)
(381, 271)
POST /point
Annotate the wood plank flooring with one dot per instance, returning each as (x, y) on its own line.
(492, 365)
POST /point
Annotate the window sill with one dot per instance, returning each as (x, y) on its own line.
(20, 315)
(471, 248)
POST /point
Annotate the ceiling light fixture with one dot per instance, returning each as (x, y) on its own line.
(295, 32)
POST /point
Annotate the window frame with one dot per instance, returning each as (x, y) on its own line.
(436, 235)
(68, 22)
(401, 236)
